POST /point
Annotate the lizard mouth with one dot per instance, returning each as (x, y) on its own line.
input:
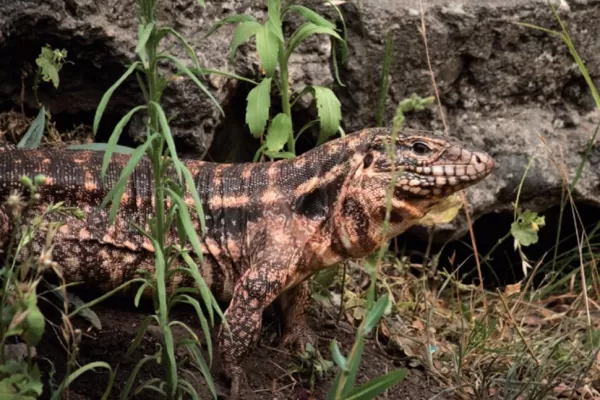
(444, 179)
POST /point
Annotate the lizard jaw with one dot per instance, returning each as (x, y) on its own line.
(444, 178)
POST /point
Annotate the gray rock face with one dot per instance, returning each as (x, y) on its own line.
(510, 90)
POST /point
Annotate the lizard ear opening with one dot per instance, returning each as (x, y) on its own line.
(368, 160)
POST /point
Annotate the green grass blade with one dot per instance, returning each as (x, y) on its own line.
(312, 16)
(161, 287)
(134, 373)
(193, 191)
(186, 221)
(107, 95)
(118, 189)
(207, 295)
(105, 296)
(203, 367)
(234, 19)
(257, 110)
(140, 333)
(194, 78)
(144, 35)
(375, 387)
(77, 373)
(190, 51)
(101, 147)
(385, 81)
(205, 328)
(166, 133)
(33, 136)
(114, 138)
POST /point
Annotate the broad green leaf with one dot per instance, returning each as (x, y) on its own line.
(274, 22)
(33, 136)
(267, 46)
(312, 16)
(257, 110)
(525, 228)
(107, 95)
(234, 19)
(35, 325)
(330, 112)
(279, 132)
(375, 387)
(114, 138)
(304, 32)
(101, 147)
(279, 155)
(50, 62)
(242, 33)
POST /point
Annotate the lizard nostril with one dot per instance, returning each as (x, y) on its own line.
(477, 158)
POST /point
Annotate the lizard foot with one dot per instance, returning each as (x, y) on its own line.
(238, 380)
(298, 336)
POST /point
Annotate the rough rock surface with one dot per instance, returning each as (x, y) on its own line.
(503, 87)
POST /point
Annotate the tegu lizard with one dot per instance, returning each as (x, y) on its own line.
(270, 225)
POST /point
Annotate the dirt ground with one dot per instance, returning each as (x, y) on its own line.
(267, 367)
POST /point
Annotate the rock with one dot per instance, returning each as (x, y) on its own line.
(502, 86)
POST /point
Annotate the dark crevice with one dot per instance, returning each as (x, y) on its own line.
(92, 68)
(233, 141)
(504, 265)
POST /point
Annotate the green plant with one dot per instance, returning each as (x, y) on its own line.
(22, 273)
(171, 180)
(343, 385)
(49, 62)
(311, 363)
(274, 50)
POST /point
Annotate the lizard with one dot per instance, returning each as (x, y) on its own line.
(269, 225)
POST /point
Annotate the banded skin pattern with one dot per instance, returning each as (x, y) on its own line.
(270, 226)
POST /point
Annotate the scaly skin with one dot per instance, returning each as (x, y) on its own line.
(270, 226)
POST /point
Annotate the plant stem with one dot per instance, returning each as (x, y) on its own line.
(285, 94)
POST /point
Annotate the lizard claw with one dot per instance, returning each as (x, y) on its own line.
(298, 336)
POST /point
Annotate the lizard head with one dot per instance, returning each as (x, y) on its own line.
(413, 172)
(423, 167)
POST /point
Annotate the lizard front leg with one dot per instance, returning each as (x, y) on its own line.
(255, 290)
(295, 303)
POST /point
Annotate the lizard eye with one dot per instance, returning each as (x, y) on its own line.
(420, 148)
